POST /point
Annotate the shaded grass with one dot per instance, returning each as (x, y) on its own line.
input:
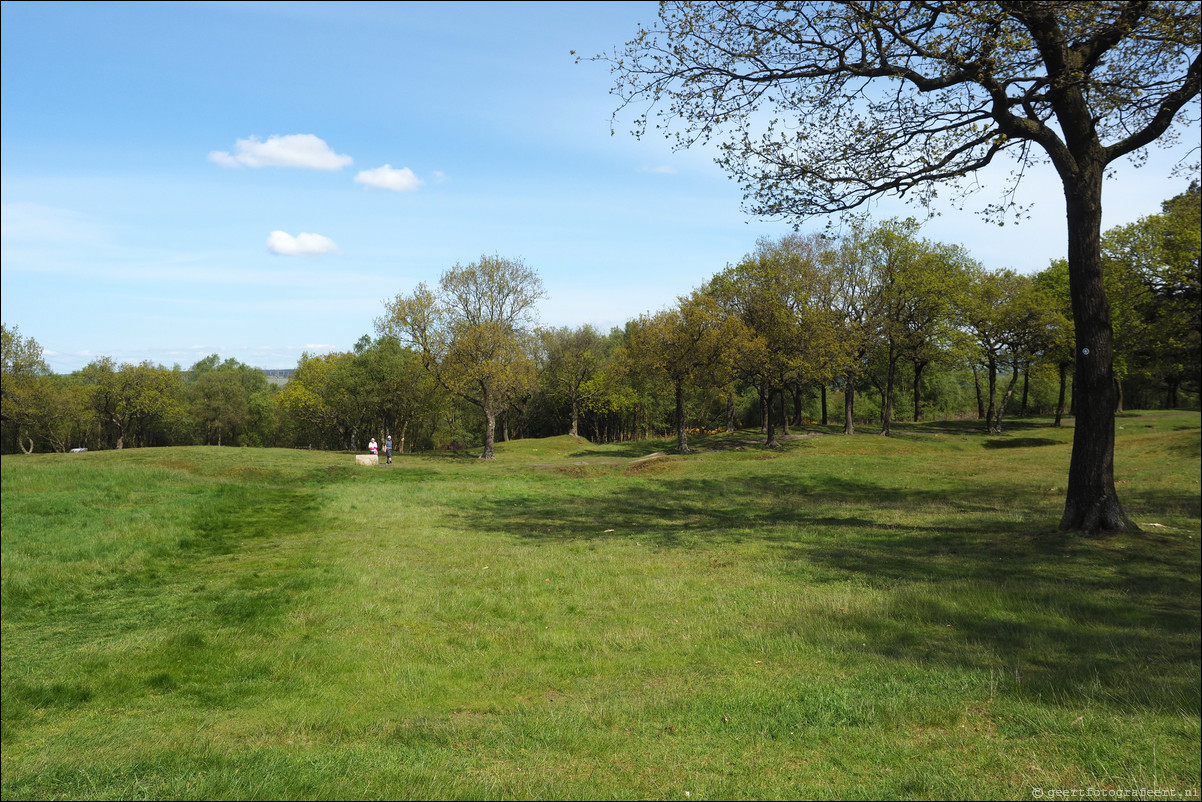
(845, 618)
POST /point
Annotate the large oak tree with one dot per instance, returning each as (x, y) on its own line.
(820, 107)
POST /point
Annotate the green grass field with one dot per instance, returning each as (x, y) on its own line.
(850, 618)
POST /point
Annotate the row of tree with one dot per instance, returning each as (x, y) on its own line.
(876, 318)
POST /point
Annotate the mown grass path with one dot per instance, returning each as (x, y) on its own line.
(842, 618)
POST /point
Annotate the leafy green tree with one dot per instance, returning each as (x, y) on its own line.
(791, 91)
(472, 333)
(135, 400)
(572, 362)
(850, 299)
(1052, 282)
(65, 412)
(1152, 269)
(329, 393)
(401, 391)
(1010, 323)
(911, 287)
(927, 332)
(231, 401)
(220, 403)
(786, 341)
(609, 399)
(21, 368)
(691, 345)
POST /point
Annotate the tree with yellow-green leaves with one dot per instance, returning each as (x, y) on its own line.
(788, 338)
(693, 344)
(22, 369)
(473, 333)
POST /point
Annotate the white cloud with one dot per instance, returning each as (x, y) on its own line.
(386, 177)
(293, 150)
(302, 244)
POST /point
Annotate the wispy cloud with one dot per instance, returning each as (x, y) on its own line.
(294, 150)
(302, 244)
(402, 180)
(27, 222)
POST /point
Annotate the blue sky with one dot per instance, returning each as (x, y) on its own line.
(255, 179)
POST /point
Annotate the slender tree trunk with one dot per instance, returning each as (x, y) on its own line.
(1063, 386)
(918, 366)
(976, 380)
(824, 417)
(1118, 396)
(887, 401)
(730, 410)
(1026, 386)
(1001, 410)
(849, 404)
(992, 409)
(784, 413)
(1091, 503)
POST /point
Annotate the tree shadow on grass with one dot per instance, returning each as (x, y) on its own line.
(1023, 442)
(1111, 621)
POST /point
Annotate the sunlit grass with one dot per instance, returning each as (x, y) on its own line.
(845, 617)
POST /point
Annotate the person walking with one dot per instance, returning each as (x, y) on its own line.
(388, 450)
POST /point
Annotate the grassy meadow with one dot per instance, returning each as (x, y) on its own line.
(846, 617)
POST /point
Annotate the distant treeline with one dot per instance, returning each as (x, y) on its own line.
(876, 326)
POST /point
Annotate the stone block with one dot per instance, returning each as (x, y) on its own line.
(367, 459)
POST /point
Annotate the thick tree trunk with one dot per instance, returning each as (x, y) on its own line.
(575, 419)
(771, 442)
(730, 410)
(490, 428)
(1091, 504)
(682, 441)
